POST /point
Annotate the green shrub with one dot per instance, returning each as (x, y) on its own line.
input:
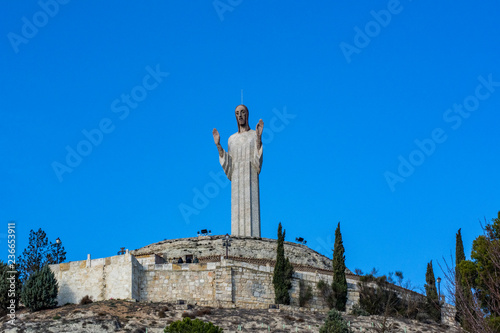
(192, 326)
(359, 311)
(326, 292)
(424, 317)
(8, 280)
(378, 296)
(305, 293)
(334, 323)
(40, 290)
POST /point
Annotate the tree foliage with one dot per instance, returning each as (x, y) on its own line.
(326, 292)
(459, 248)
(283, 272)
(10, 288)
(305, 294)
(57, 254)
(192, 326)
(479, 298)
(459, 257)
(40, 252)
(40, 290)
(379, 295)
(335, 295)
(339, 284)
(433, 307)
(334, 323)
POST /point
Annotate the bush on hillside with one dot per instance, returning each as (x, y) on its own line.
(40, 290)
(192, 326)
(334, 323)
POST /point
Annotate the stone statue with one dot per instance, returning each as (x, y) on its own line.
(242, 163)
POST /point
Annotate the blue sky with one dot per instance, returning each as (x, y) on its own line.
(382, 115)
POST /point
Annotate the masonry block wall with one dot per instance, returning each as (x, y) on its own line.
(312, 278)
(136, 278)
(225, 283)
(172, 282)
(100, 279)
(252, 285)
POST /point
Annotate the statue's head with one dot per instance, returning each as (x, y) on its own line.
(241, 113)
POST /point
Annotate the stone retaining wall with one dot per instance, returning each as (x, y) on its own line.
(172, 282)
(100, 279)
(235, 282)
(222, 283)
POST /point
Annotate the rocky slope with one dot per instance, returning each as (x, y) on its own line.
(132, 317)
(246, 247)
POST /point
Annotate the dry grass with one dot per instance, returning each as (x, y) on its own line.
(133, 317)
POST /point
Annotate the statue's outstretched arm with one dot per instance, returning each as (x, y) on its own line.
(257, 158)
(224, 157)
(258, 129)
(216, 135)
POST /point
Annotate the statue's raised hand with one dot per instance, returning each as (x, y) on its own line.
(259, 128)
(217, 142)
(216, 135)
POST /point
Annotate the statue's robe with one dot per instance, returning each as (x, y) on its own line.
(242, 163)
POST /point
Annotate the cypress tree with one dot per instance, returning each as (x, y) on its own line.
(40, 290)
(283, 272)
(459, 249)
(432, 302)
(339, 284)
(459, 289)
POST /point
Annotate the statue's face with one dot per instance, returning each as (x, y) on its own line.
(241, 115)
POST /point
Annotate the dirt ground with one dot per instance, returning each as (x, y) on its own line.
(139, 317)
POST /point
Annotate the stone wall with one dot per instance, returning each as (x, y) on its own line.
(448, 313)
(172, 282)
(100, 279)
(252, 286)
(136, 278)
(226, 282)
(222, 283)
(234, 282)
(318, 302)
(217, 283)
